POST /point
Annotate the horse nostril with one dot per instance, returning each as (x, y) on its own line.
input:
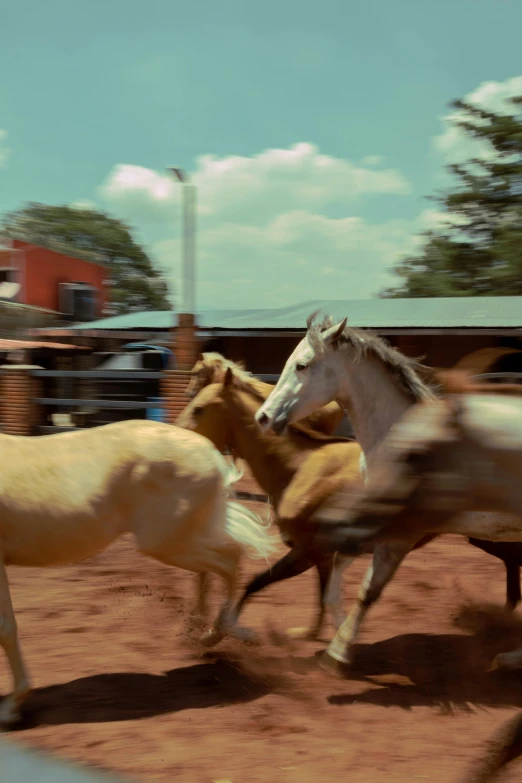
(262, 419)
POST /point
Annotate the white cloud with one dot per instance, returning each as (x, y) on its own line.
(265, 233)
(454, 144)
(4, 150)
(140, 193)
(252, 189)
(296, 256)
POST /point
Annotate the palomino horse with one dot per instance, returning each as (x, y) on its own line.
(297, 471)
(66, 497)
(377, 385)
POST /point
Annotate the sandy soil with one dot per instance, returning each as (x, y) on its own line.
(121, 683)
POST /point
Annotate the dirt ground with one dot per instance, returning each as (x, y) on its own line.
(121, 683)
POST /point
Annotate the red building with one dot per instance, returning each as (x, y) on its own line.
(53, 280)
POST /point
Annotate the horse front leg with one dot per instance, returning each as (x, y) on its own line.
(386, 560)
(334, 591)
(10, 705)
(330, 571)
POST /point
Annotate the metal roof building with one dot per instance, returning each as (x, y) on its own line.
(492, 313)
(442, 330)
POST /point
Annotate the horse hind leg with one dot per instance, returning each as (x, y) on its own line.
(10, 705)
(386, 560)
(293, 563)
(226, 623)
(330, 570)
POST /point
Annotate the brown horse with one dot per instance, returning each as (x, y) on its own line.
(211, 368)
(298, 472)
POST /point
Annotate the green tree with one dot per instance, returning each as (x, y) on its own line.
(134, 284)
(478, 250)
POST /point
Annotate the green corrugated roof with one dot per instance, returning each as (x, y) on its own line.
(465, 312)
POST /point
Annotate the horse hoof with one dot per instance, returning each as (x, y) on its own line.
(510, 661)
(211, 637)
(9, 714)
(340, 669)
(246, 635)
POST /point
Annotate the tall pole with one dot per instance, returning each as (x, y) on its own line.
(185, 336)
(189, 247)
(188, 239)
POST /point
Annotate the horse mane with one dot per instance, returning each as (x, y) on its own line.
(406, 371)
(213, 358)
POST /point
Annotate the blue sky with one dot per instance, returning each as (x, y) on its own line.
(313, 130)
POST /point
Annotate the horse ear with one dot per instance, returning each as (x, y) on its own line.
(201, 357)
(229, 377)
(332, 335)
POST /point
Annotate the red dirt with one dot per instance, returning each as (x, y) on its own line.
(121, 683)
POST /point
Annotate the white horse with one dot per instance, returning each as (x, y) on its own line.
(440, 461)
(66, 497)
(377, 384)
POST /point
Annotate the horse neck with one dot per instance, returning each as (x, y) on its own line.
(273, 460)
(373, 399)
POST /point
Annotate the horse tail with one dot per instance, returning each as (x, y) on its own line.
(249, 530)
(243, 525)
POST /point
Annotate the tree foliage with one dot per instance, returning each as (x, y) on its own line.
(134, 284)
(478, 251)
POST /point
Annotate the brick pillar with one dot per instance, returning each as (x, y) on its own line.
(186, 343)
(19, 414)
(173, 387)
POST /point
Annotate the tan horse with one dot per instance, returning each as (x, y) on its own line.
(66, 497)
(297, 472)
(211, 368)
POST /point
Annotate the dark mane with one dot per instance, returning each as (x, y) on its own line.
(403, 369)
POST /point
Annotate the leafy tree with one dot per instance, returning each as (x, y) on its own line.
(478, 251)
(133, 281)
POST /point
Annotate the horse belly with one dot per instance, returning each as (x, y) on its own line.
(53, 540)
(487, 526)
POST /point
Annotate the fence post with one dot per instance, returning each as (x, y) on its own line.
(186, 345)
(19, 414)
(173, 385)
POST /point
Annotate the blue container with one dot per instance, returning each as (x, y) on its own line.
(156, 411)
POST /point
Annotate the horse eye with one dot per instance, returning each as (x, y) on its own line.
(301, 367)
